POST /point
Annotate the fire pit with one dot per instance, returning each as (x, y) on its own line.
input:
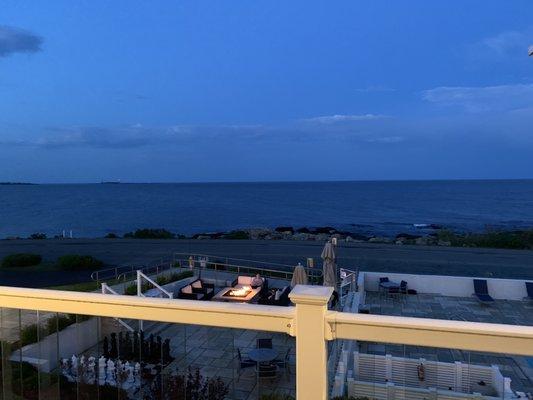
(238, 292)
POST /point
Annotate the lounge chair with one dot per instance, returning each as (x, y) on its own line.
(481, 291)
(529, 289)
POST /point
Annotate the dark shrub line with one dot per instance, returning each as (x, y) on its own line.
(21, 260)
(78, 262)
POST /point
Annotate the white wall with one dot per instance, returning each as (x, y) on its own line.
(74, 339)
(457, 286)
(171, 287)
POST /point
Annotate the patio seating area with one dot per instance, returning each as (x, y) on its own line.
(243, 289)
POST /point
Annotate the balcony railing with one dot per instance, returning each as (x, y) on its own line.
(310, 322)
(204, 262)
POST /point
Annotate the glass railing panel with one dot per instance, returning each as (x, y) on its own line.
(47, 346)
(265, 365)
(391, 371)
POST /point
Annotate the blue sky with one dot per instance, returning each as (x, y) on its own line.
(265, 90)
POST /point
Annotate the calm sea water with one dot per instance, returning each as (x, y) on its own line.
(364, 207)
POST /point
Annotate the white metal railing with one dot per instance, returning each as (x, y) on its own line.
(310, 322)
(108, 290)
(141, 276)
(239, 266)
(348, 283)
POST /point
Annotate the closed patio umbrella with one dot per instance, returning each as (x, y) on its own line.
(329, 268)
(299, 276)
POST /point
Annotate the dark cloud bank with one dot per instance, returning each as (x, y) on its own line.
(15, 40)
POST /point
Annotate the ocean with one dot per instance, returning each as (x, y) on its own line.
(369, 208)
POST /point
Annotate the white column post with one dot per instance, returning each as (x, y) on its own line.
(139, 283)
(311, 351)
(391, 391)
(388, 367)
(139, 293)
(356, 361)
(458, 376)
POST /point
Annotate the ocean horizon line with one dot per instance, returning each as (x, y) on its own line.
(22, 183)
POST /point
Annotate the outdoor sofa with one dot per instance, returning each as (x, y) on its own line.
(243, 280)
(197, 290)
(276, 297)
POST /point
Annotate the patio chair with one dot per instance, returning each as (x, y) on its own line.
(383, 279)
(244, 362)
(284, 363)
(187, 293)
(264, 343)
(267, 371)
(403, 287)
(207, 289)
(529, 289)
(481, 291)
(275, 297)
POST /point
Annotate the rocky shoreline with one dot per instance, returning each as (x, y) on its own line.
(323, 234)
(430, 235)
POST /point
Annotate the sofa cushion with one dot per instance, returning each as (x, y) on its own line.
(244, 280)
(197, 284)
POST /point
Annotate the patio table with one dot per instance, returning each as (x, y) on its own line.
(262, 355)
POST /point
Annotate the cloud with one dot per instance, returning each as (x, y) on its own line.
(14, 40)
(332, 119)
(483, 98)
(138, 136)
(507, 43)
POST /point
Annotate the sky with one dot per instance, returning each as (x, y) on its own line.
(237, 90)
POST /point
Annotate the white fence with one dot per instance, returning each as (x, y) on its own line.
(457, 377)
(389, 391)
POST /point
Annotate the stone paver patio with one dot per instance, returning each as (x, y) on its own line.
(214, 352)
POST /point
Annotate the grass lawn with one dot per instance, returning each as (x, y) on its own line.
(89, 286)
(78, 287)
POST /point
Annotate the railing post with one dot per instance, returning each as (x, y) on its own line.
(458, 376)
(311, 350)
